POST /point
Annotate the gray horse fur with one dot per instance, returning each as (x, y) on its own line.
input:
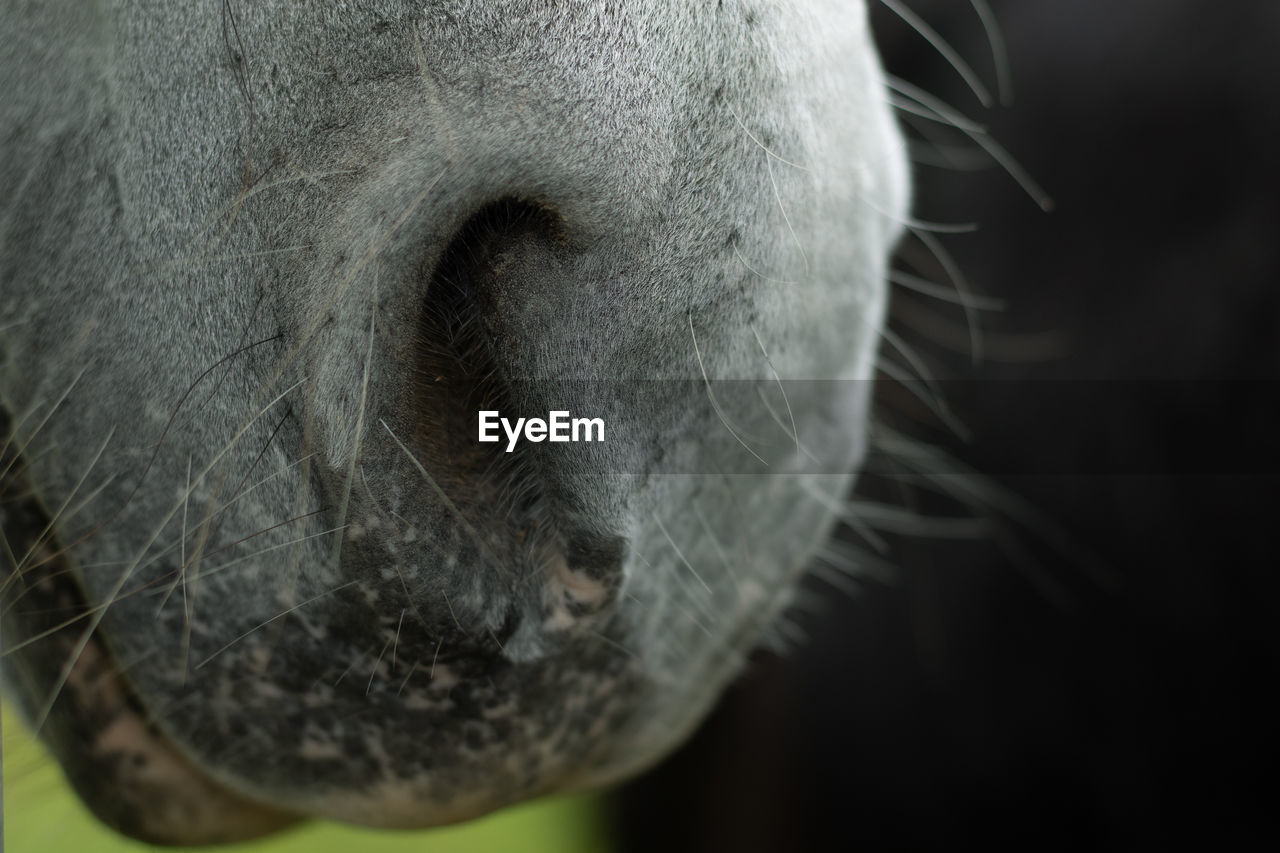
(239, 330)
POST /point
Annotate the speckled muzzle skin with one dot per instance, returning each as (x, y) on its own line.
(263, 263)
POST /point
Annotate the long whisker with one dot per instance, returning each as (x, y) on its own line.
(943, 47)
(777, 195)
(715, 404)
(997, 152)
(274, 618)
(360, 415)
(795, 433)
(961, 284)
(21, 451)
(931, 401)
(680, 554)
(764, 147)
(457, 514)
(96, 620)
(928, 288)
(999, 53)
(48, 530)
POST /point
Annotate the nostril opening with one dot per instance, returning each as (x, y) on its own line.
(462, 294)
(459, 370)
(564, 570)
(476, 252)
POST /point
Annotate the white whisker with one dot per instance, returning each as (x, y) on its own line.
(273, 619)
(943, 47)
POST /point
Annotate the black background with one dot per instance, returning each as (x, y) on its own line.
(1013, 690)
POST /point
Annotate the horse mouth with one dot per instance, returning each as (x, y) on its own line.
(129, 773)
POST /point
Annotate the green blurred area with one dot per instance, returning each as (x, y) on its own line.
(42, 814)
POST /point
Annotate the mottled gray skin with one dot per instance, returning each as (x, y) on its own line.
(232, 373)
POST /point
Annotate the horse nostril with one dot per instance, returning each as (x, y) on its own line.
(467, 290)
(461, 369)
(548, 546)
(481, 250)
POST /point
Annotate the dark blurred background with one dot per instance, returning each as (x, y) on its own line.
(1110, 689)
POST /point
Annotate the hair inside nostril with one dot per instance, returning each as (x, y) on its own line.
(459, 371)
(562, 567)
(463, 296)
(478, 248)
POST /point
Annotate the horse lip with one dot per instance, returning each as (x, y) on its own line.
(130, 774)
